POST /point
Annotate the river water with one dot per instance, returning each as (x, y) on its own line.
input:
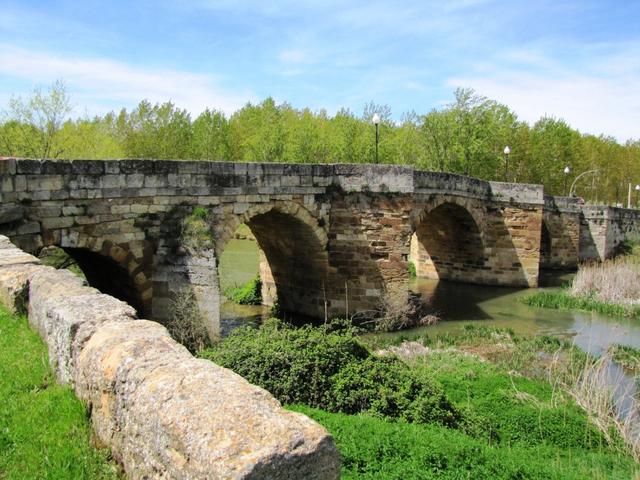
(458, 305)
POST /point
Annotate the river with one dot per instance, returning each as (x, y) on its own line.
(458, 305)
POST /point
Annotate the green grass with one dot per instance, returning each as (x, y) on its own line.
(511, 409)
(248, 294)
(626, 356)
(44, 430)
(561, 299)
(376, 449)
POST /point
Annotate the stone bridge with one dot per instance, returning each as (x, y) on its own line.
(334, 239)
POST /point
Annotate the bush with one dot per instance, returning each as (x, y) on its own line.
(294, 364)
(329, 368)
(249, 294)
(388, 388)
(185, 324)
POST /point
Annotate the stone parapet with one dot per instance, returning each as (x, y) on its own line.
(162, 412)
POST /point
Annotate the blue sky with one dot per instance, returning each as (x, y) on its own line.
(577, 60)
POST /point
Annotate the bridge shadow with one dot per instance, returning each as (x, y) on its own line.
(465, 244)
(452, 300)
(101, 272)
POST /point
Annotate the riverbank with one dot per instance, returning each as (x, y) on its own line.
(477, 405)
(44, 431)
(609, 288)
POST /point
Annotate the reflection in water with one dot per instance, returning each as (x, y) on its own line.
(462, 304)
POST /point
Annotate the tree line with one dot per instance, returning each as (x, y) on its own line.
(467, 136)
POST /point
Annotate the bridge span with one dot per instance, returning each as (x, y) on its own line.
(332, 237)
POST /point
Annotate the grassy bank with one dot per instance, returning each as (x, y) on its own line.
(609, 288)
(478, 405)
(565, 300)
(376, 449)
(44, 431)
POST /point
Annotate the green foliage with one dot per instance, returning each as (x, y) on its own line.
(159, 131)
(33, 124)
(199, 213)
(562, 299)
(372, 448)
(329, 368)
(466, 136)
(412, 270)
(627, 356)
(387, 388)
(249, 294)
(44, 430)
(195, 230)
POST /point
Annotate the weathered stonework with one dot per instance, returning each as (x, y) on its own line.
(560, 235)
(603, 228)
(163, 413)
(333, 235)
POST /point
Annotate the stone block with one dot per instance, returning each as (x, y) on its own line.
(88, 167)
(28, 166)
(137, 166)
(112, 167)
(44, 182)
(219, 426)
(10, 213)
(58, 222)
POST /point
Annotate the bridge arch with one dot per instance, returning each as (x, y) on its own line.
(294, 261)
(117, 269)
(448, 241)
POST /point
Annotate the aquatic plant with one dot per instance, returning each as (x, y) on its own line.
(248, 294)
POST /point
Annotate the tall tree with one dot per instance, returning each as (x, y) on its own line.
(34, 123)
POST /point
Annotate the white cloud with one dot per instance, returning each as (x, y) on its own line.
(600, 95)
(100, 84)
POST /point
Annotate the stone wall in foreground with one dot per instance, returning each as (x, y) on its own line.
(162, 412)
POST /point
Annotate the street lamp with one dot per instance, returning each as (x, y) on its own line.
(506, 151)
(637, 191)
(376, 122)
(566, 174)
(575, 180)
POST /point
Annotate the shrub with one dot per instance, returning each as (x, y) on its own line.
(249, 294)
(185, 324)
(294, 364)
(388, 388)
(329, 368)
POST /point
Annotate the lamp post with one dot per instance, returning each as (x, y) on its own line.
(566, 174)
(376, 122)
(506, 151)
(595, 171)
(637, 191)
